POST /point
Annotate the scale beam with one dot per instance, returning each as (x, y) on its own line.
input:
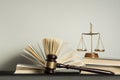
(90, 33)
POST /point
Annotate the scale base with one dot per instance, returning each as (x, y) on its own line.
(91, 55)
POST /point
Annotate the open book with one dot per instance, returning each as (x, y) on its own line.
(37, 53)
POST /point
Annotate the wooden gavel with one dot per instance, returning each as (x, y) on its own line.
(52, 65)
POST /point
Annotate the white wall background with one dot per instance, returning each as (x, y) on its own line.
(22, 21)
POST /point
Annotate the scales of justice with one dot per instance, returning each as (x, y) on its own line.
(99, 47)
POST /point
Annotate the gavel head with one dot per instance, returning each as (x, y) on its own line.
(51, 64)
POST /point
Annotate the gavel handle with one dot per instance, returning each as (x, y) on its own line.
(98, 71)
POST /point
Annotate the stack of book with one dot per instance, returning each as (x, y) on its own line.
(100, 63)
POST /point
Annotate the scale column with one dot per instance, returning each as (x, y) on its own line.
(91, 38)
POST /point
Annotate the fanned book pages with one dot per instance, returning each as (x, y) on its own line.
(37, 54)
